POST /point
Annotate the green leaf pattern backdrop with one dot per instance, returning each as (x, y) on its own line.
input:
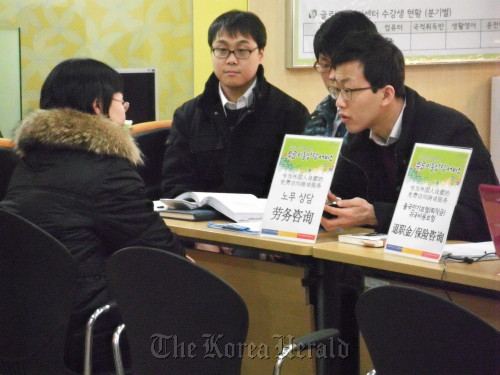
(121, 33)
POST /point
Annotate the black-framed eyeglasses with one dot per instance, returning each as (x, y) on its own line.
(125, 105)
(239, 53)
(335, 92)
(322, 68)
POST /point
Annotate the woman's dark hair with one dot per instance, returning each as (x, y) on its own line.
(383, 62)
(77, 83)
(237, 21)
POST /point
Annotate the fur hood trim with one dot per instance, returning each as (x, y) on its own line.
(71, 129)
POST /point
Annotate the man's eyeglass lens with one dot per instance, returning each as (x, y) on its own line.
(125, 105)
(335, 92)
(322, 68)
(238, 53)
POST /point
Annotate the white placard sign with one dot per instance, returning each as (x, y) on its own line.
(430, 191)
(300, 185)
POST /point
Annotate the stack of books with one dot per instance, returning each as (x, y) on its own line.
(200, 206)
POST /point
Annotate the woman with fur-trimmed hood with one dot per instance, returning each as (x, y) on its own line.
(77, 180)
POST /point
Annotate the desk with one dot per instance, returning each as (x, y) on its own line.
(484, 274)
(198, 231)
(325, 258)
(312, 277)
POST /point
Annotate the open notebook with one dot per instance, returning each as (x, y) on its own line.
(237, 207)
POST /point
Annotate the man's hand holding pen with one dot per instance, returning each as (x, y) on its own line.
(346, 213)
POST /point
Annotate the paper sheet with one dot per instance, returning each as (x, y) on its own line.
(471, 249)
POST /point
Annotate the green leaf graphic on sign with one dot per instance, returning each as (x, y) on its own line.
(302, 155)
(438, 165)
(286, 164)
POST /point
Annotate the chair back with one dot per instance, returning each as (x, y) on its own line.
(38, 284)
(6, 143)
(180, 318)
(8, 161)
(411, 331)
(151, 138)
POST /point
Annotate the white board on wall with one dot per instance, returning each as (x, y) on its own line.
(426, 31)
(10, 80)
(495, 124)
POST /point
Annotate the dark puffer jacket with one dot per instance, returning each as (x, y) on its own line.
(323, 119)
(77, 180)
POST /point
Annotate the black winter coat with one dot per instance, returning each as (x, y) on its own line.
(204, 154)
(360, 172)
(77, 180)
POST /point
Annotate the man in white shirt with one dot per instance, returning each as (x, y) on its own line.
(384, 119)
(228, 138)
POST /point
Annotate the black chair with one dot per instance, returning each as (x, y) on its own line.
(180, 318)
(177, 315)
(151, 138)
(38, 286)
(306, 342)
(8, 161)
(411, 331)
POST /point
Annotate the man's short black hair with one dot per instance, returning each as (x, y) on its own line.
(335, 28)
(383, 62)
(239, 22)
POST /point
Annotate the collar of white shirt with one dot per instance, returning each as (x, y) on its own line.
(244, 101)
(395, 133)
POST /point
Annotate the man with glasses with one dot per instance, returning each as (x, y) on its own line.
(384, 120)
(228, 138)
(324, 120)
